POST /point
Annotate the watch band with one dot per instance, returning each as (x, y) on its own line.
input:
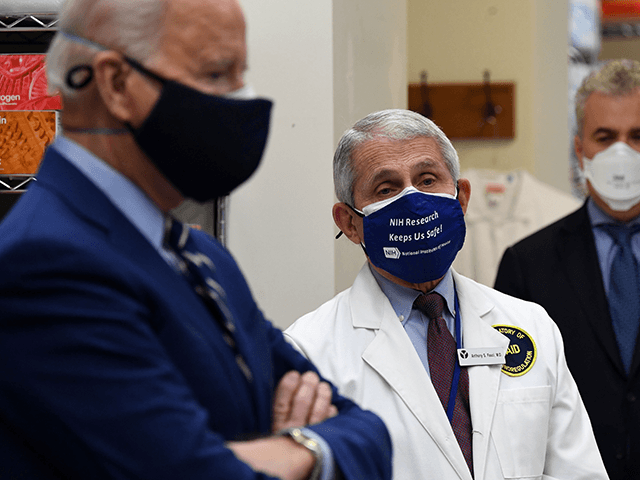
(311, 445)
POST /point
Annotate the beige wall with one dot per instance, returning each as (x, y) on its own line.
(620, 48)
(552, 139)
(370, 58)
(520, 41)
(280, 225)
(325, 64)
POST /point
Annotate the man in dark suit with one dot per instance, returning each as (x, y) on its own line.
(129, 346)
(583, 269)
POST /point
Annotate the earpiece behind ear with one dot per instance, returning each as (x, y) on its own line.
(79, 77)
(344, 217)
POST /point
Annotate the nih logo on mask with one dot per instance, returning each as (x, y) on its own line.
(391, 252)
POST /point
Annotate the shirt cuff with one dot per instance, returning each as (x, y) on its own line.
(328, 471)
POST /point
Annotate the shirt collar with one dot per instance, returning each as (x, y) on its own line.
(597, 217)
(123, 193)
(402, 298)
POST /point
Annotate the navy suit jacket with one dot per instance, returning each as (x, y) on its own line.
(112, 367)
(558, 268)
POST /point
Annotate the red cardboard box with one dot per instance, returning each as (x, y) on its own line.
(23, 84)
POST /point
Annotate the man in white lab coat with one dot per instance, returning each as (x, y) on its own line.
(471, 383)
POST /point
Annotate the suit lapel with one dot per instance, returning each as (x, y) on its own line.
(579, 261)
(392, 355)
(77, 191)
(484, 380)
(92, 206)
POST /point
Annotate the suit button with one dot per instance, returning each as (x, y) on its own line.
(619, 456)
(631, 397)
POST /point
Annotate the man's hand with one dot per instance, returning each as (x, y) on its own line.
(301, 400)
(276, 456)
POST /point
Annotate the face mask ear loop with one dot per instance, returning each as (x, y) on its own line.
(361, 244)
(144, 70)
(357, 212)
(361, 215)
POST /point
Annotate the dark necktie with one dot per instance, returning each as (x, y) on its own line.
(198, 269)
(624, 291)
(441, 353)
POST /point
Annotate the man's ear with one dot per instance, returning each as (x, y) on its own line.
(112, 75)
(577, 148)
(348, 222)
(464, 193)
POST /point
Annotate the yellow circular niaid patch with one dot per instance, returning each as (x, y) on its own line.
(522, 351)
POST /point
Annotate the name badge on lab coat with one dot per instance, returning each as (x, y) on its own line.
(481, 356)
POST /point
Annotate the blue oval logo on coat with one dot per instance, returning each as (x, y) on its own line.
(522, 351)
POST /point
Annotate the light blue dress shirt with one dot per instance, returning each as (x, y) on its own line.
(605, 245)
(139, 209)
(413, 320)
(143, 213)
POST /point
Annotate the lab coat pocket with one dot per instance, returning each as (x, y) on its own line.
(519, 432)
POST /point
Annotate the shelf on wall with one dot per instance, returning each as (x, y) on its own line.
(32, 33)
(15, 183)
(28, 23)
(22, 33)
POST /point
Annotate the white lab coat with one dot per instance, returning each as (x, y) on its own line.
(533, 426)
(496, 220)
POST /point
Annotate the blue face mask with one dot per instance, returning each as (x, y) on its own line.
(414, 236)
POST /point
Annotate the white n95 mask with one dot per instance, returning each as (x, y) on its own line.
(615, 174)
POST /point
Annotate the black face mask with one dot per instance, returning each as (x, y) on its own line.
(205, 145)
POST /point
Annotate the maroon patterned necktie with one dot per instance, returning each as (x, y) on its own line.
(441, 352)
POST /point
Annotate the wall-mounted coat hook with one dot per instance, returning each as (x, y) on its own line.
(490, 111)
(427, 109)
(467, 110)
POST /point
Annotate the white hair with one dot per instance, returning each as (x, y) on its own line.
(393, 124)
(133, 27)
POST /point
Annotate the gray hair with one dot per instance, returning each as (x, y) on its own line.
(133, 27)
(615, 77)
(392, 124)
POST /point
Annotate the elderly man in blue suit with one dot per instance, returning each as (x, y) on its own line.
(131, 347)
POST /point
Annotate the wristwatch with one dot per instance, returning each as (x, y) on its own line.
(311, 445)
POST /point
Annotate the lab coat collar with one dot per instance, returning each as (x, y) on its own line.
(367, 313)
(392, 355)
